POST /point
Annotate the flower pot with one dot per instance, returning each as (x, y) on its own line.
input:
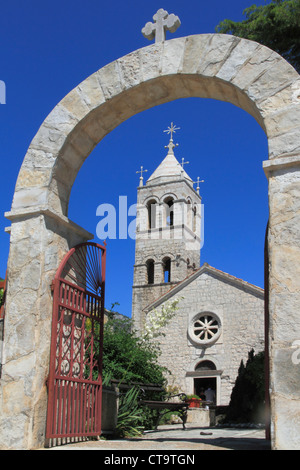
(194, 402)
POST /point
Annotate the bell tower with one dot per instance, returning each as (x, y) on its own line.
(168, 231)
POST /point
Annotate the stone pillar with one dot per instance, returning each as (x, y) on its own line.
(38, 242)
(284, 328)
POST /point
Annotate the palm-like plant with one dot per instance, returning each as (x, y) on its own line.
(130, 415)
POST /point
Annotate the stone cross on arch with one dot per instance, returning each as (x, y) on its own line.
(162, 22)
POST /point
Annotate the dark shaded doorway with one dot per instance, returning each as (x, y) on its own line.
(203, 383)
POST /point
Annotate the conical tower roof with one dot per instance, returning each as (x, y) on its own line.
(169, 169)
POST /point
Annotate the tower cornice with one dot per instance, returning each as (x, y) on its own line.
(167, 183)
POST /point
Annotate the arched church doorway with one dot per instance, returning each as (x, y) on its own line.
(206, 385)
(201, 385)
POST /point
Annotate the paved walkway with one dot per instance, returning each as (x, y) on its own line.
(174, 438)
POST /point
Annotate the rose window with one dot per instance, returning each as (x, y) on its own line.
(205, 328)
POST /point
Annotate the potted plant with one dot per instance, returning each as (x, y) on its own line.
(194, 401)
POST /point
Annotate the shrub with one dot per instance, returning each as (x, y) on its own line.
(247, 402)
(130, 415)
(126, 357)
(132, 357)
(129, 359)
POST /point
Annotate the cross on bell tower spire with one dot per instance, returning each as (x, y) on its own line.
(183, 163)
(171, 130)
(198, 184)
(141, 171)
(162, 22)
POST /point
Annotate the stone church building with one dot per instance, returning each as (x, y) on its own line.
(220, 318)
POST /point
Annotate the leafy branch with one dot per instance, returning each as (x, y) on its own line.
(275, 25)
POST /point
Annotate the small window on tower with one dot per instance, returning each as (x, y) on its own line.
(167, 270)
(194, 219)
(151, 206)
(169, 205)
(150, 271)
(188, 220)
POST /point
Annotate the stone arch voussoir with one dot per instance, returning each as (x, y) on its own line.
(222, 67)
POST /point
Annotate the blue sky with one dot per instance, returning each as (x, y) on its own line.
(49, 47)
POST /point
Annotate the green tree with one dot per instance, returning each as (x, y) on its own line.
(247, 402)
(128, 357)
(132, 357)
(275, 25)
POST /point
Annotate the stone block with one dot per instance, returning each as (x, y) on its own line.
(172, 56)
(216, 53)
(286, 377)
(24, 303)
(195, 47)
(198, 417)
(72, 158)
(271, 80)
(33, 178)
(108, 117)
(110, 80)
(29, 197)
(256, 65)
(14, 397)
(51, 258)
(285, 144)
(14, 431)
(235, 61)
(82, 143)
(32, 275)
(198, 86)
(157, 92)
(49, 140)
(176, 88)
(63, 118)
(93, 127)
(130, 70)
(286, 424)
(38, 159)
(91, 92)
(283, 99)
(150, 60)
(285, 323)
(19, 341)
(23, 366)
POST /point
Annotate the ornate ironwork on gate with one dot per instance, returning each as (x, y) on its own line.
(75, 373)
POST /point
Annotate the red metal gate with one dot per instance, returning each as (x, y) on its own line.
(75, 374)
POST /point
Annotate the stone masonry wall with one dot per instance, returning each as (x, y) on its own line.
(242, 316)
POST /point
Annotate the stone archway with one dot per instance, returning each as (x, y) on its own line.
(222, 67)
